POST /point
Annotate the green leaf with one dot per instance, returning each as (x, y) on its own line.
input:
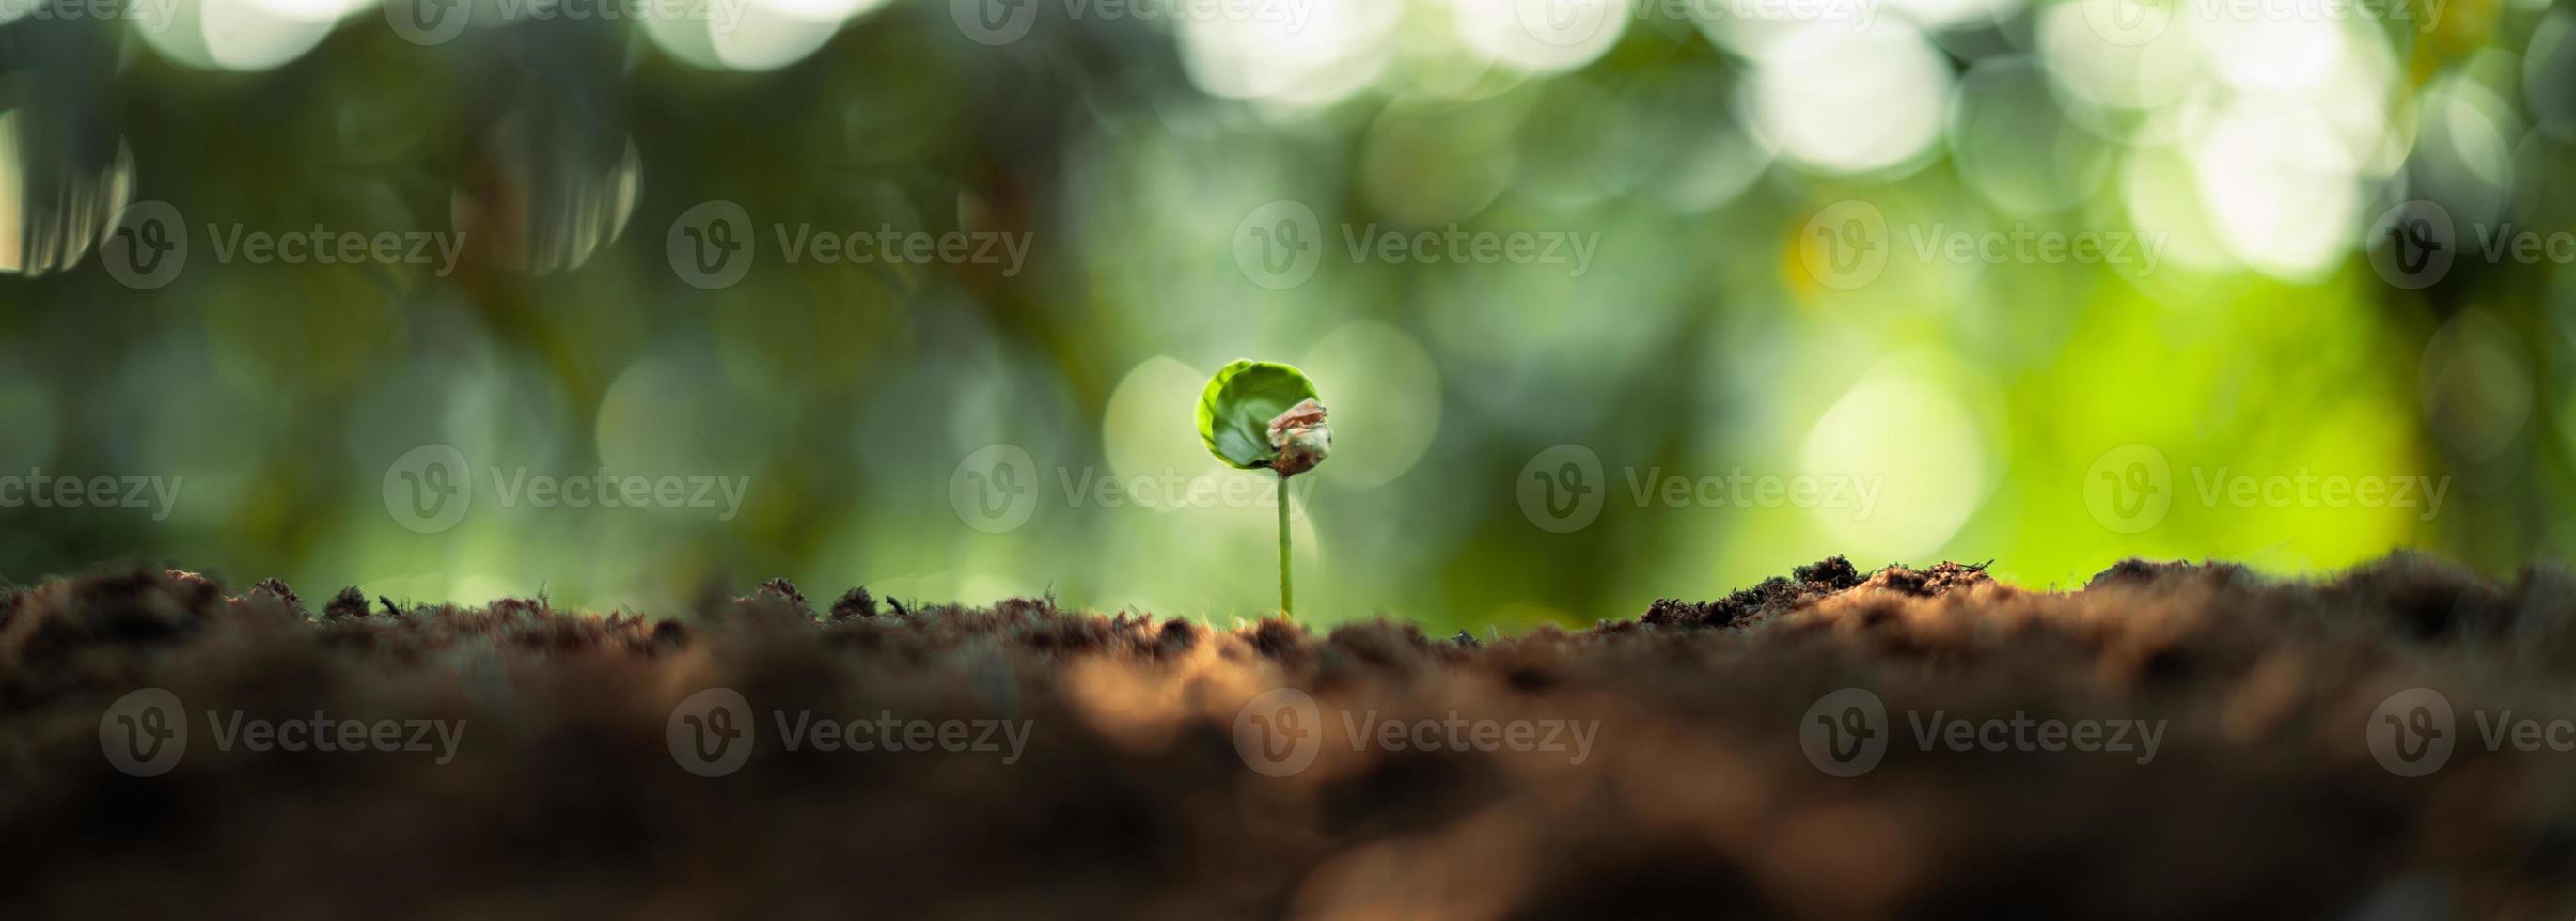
(1236, 409)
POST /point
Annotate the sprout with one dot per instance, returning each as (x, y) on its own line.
(1257, 414)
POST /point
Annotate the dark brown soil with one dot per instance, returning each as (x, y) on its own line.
(1130, 798)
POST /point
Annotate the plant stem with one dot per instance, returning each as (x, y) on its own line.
(1287, 595)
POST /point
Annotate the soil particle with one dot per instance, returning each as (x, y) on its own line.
(2137, 572)
(1177, 636)
(1941, 579)
(276, 589)
(1281, 639)
(1833, 572)
(1803, 586)
(855, 603)
(785, 592)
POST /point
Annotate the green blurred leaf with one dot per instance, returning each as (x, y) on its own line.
(1236, 409)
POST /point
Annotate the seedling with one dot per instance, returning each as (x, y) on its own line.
(1262, 414)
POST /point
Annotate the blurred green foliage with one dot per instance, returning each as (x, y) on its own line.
(1623, 243)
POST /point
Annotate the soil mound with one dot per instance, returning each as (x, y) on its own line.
(2171, 740)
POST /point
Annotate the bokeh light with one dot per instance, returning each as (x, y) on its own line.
(1789, 241)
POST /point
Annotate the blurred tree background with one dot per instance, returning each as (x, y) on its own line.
(1769, 188)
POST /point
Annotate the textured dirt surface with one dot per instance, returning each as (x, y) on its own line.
(1134, 791)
